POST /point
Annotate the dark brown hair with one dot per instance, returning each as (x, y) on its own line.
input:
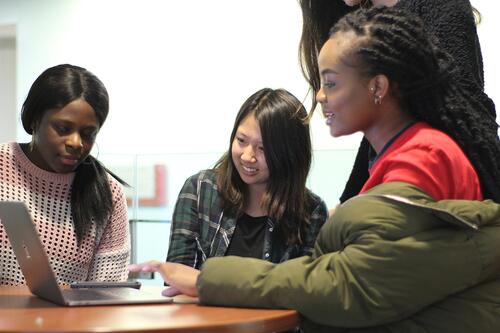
(286, 139)
(317, 19)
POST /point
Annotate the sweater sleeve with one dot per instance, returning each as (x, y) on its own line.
(452, 23)
(113, 251)
(185, 228)
(363, 272)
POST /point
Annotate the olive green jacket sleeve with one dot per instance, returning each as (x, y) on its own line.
(378, 260)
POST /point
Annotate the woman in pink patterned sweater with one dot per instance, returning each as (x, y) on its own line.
(79, 209)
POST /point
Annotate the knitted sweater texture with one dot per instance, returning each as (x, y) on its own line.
(103, 253)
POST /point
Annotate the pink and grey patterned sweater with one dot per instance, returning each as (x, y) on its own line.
(103, 254)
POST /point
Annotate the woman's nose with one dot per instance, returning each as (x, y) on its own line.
(248, 154)
(74, 141)
(321, 99)
(321, 96)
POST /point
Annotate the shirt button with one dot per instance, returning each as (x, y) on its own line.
(271, 229)
(266, 255)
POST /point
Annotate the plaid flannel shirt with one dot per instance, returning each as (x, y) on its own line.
(201, 229)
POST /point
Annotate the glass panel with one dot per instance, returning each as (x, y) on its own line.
(156, 180)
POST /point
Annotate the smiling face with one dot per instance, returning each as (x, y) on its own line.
(346, 97)
(247, 152)
(64, 137)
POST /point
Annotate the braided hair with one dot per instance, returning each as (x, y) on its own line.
(393, 43)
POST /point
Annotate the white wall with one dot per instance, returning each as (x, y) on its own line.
(177, 71)
(8, 114)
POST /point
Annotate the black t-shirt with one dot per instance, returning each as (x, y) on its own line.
(248, 237)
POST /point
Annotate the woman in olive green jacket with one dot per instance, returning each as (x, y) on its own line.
(389, 263)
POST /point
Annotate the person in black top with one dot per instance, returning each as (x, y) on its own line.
(254, 202)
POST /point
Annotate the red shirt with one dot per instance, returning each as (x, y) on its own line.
(429, 159)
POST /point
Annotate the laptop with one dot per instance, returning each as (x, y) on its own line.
(39, 275)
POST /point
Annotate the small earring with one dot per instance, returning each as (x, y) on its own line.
(372, 89)
(377, 100)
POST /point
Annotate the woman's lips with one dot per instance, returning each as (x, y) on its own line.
(329, 118)
(69, 160)
(249, 171)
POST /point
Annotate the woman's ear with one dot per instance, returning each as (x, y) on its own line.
(379, 87)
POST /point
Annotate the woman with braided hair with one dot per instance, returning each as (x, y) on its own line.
(404, 108)
(451, 22)
(393, 259)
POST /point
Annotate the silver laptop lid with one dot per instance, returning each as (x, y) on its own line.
(29, 251)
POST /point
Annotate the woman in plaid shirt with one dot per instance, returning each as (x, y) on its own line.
(254, 203)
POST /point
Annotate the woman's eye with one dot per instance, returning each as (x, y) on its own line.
(260, 148)
(240, 140)
(329, 84)
(62, 129)
(89, 136)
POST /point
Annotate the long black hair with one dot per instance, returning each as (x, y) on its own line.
(394, 43)
(91, 197)
(318, 16)
(286, 139)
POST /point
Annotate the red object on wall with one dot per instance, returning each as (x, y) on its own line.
(160, 189)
